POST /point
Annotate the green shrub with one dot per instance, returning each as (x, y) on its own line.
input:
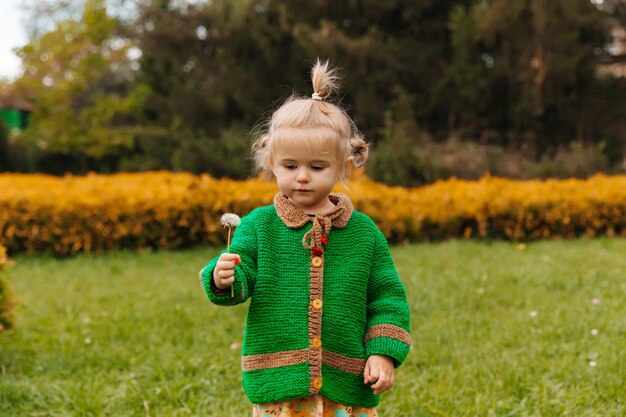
(577, 160)
(6, 299)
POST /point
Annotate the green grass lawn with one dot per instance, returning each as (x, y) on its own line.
(497, 330)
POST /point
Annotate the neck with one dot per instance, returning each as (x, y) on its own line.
(323, 207)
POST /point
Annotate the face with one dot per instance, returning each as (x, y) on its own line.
(306, 176)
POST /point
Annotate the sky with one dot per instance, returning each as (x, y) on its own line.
(12, 35)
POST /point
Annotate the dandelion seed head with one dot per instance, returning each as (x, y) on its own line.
(594, 332)
(230, 220)
(593, 364)
(533, 313)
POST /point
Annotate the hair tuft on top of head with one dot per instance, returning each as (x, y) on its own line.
(325, 79)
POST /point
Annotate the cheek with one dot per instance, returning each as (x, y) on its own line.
(283, 176)
(333, 176)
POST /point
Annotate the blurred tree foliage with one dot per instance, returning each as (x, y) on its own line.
(516, 74)
(81, 85)
(4, 146)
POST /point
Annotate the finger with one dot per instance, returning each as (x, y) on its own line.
(381, 378)
(225, 265)
(381, 384)
(374, 375)
(381, 390)
(366, 373)
(230, 257)
(225, 283)
(226, 268)
(225, 274)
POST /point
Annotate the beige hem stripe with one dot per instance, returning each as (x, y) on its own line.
(274, 360)
(343, 363)
(295, 357)
(388, 330)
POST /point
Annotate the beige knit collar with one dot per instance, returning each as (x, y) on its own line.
(294, 217)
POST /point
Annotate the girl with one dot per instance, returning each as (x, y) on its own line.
(328, 320)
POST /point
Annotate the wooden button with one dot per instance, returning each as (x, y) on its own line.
(316, 341)
(317, 303)
(316, 261)
(317, 383)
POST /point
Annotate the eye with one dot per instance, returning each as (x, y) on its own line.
(317, 167)
(290, 166)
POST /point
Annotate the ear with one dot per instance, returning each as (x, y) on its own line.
(348, 165)
(272, 165)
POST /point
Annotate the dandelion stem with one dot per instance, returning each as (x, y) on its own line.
(232, 287)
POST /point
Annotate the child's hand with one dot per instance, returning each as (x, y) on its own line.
(224, 272)
(379, 369)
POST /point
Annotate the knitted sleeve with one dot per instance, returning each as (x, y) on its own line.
(244, 244)
(388, 317)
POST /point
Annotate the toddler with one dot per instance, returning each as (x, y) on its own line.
(328, 320)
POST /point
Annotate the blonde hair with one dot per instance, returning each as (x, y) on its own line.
(311, 121)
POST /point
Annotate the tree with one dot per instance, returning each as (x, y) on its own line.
(197, 76)
(544, 57)
(212, 64)
(4, 146)
(79, 77)
(464, 88)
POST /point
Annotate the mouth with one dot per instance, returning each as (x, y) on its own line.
(302, 190)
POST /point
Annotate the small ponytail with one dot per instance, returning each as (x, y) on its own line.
(261, 155)
(359, 149)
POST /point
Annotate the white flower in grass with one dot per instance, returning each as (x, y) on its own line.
(88, 340)
(595, 301)
(593, 364)
(594, 332)
(533, 313)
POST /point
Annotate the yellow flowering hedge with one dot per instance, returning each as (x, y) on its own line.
(6, 299)
(171, 210)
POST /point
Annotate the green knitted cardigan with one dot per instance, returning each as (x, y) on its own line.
(325, 295)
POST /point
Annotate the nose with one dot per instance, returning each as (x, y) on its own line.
(303, 175)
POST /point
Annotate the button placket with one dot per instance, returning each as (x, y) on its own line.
(315, 317)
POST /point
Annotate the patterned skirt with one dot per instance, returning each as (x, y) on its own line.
(311, 406)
